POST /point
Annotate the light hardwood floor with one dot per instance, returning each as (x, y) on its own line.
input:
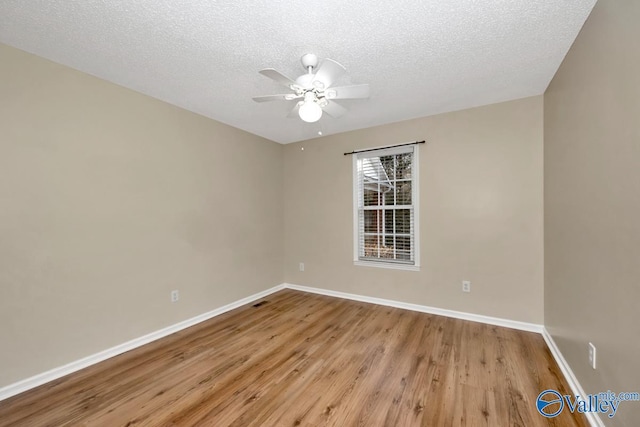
(301, 359)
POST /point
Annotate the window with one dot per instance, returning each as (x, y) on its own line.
(385, 208)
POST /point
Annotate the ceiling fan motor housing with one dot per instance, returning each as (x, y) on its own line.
(305, 81)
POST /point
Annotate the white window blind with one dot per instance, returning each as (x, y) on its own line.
(385, 217)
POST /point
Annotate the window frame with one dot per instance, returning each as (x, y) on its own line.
(380, 263)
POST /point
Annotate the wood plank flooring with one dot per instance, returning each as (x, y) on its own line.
(301, 359)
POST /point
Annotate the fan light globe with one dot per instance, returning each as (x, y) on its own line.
(310, 111)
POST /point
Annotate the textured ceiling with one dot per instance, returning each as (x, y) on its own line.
(421, 57)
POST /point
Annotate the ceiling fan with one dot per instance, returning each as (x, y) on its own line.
(313, 89)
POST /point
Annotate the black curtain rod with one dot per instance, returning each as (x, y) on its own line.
(384, 148)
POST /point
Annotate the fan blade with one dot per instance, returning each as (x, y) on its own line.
(334, 110)
(277, 76)
(350, 92)
(328, 72)
(281, 97)
(294, 111)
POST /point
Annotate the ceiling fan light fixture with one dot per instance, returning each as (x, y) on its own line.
(310, 111)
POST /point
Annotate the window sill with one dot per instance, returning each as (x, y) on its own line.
(391, 266)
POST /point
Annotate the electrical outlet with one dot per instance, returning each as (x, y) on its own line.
(466, 286)
(175, 296)
(592, 355)
(302, 266)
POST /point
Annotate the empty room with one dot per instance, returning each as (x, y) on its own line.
(420, 213)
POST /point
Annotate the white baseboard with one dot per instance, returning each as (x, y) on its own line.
(593, 419)
(576, 388)
(53, 374)
(514, 324)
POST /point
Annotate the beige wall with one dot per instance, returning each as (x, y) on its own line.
(481, 212)
(592, 203)
(109, 200)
